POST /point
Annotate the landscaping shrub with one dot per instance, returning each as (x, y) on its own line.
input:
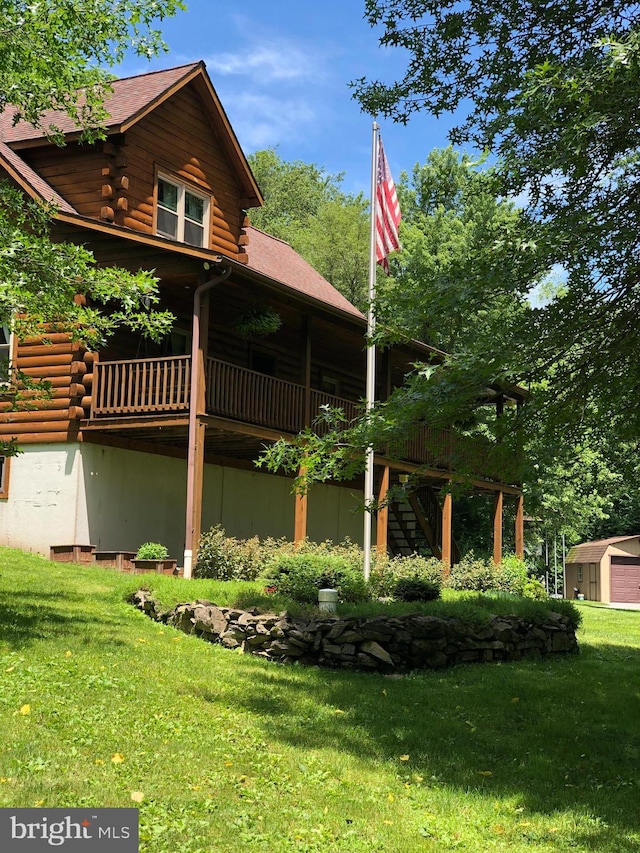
(225, 558)
(273, 549)
(301, 575)
(416, 589)
(152, 551)
(385, 573)
(472, 574)
(534, 589)
(511, 575)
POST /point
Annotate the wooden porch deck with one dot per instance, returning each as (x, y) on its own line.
(161, 386)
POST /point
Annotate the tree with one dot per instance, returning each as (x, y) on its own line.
(54, 53)
(553, 93)
(53, 56)
(306, 207)
(463, 265)
(449, 286)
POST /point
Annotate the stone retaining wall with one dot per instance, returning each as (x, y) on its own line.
(387, 644)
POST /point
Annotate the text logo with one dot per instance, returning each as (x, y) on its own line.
(69, 830)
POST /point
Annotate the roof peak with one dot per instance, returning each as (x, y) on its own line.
(158, 71)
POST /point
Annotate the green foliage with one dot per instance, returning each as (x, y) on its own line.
(472, 574)
(152, 551)
(306, 207)
(385, 572)
(53, 56)
(415, 589)
(41, 277)
(549, 89)
(300, 576)
(226, 558)
(257, 323)
(52, 52)
(482, 575)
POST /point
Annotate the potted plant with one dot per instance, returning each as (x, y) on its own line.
(154, 557)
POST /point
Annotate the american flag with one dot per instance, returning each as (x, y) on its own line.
(388, 214)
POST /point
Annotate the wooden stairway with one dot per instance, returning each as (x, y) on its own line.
(415, 525)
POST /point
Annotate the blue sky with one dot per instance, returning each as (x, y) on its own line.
(281, 69)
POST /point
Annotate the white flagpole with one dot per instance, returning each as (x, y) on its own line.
(371, 355)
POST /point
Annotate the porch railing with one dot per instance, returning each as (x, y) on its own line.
(146, 385)
(161, 385)
(246, 395)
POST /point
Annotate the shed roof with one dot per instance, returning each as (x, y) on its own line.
(593, 552)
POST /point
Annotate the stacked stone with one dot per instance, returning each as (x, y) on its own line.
(379, 643)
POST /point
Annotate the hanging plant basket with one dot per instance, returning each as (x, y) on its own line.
(258, 323)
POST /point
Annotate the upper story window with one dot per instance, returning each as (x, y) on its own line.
(5, 354)
(182, 213)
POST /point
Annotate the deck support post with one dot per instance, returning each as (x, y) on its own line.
(197, 428)
(382, 521)
(447, 515)
(497, 528)
(520, 527)
(306, 369)
(300, 513)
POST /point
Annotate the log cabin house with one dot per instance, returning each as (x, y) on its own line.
(156, 442)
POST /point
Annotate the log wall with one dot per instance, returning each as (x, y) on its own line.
(197, 158)
(115, 180)
(67, 366)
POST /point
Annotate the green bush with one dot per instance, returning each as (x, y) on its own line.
(534, 589)
(472, 574)
(152, 551)
(385, 573)
(416, 589)
(511, 575)
(225, 558)
(301, 575)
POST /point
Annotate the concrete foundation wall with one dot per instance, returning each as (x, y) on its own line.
(117, 499)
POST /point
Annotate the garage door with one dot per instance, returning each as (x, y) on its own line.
(625, 580)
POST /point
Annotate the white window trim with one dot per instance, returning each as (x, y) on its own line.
(4, 476)
(6, 351)
(182, 189)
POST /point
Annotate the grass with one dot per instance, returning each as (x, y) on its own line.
(100, 706)
(472, 607)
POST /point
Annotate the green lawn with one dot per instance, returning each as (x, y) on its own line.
(100, 706)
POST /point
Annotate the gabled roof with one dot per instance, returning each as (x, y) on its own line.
(130, 97)
(30, 180)
(276, 259)
(593, 552)
(131, 100)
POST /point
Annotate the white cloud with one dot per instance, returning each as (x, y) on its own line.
(261, 121)
(276, 62)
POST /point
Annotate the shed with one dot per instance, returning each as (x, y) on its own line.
(607, 570)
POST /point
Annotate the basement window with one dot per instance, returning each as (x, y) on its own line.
(182, 213)
(4, 476)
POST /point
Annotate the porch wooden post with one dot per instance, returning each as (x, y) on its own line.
(383, 514)
(195, 442)
(497, 528)
(306, 369)
(201, 408)
(447, 514)
(520, 527)
(300, 514)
